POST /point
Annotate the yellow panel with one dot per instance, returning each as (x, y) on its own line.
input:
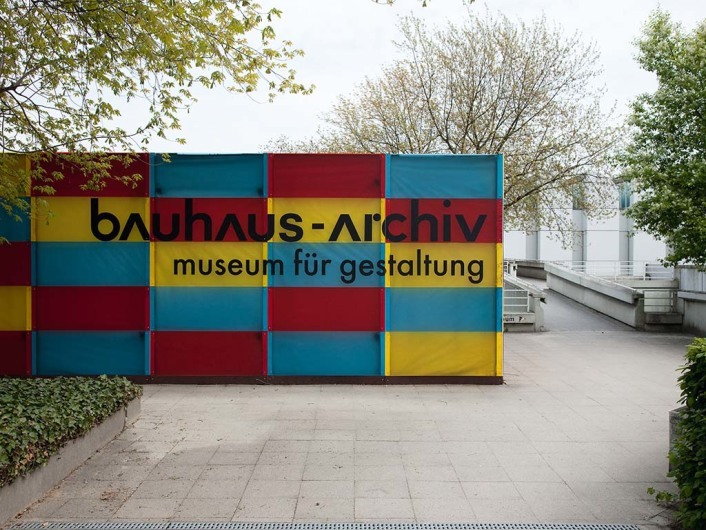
(211, 264)
(445, 353)
(344, 220)
(387, 280)
(17, 168)
(15, 308)
(501, 354)
(499, 262)
(264, 254)
(387, 353)
(69, 219)
(443, 265)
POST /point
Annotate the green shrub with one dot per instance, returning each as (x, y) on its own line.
(688, 456)
(38, 416)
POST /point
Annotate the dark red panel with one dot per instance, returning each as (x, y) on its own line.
(15, 353)
(90, 308)
(16, 263)
(208, 353)
(323, 175)
(325, 309)
(444, 220)
(70, 185)
(210, 219)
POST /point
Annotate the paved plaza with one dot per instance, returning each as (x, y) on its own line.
(577, 433)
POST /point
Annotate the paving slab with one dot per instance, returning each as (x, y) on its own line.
(577, 434)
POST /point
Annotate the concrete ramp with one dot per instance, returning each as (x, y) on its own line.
(564, 314)
(645, 301)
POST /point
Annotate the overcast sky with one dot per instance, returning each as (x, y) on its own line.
(347, 40)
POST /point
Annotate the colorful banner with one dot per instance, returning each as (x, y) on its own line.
(261, 265)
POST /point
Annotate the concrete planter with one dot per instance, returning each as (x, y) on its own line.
(674, 417)
(23, 491)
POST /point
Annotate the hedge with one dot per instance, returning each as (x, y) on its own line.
(688, 456)
(38, 416)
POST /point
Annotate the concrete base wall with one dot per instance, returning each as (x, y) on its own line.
(23, 491)
(695, 317)
(691, 279)
(519, 328)
(692, 295)
(531, 269)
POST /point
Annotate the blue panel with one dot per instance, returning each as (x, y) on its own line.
(34, 353)
(95, 264)
(344, 269)
(209, 176)
(296, 353)
(499, 172)
(443, 176)
(147, 354)
(388, 192)
(12, 229)
(90, 353)
(445, 309)
(208, 309)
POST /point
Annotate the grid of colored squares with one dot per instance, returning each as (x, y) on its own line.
(261, 265)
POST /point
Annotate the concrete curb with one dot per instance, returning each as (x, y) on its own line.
(23, 491)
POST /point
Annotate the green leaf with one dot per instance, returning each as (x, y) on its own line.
(40, 415)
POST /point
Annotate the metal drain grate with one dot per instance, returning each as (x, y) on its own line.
(319, 526)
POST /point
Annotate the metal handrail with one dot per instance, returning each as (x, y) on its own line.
(517, 295)
(642, 270)
(660, 300)
(515, 301)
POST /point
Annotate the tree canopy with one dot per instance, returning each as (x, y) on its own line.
(489, 85)
(68, 68)
(665, 160)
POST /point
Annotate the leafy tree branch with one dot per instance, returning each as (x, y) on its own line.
(69, 69)
(665, 161)
(490, 85)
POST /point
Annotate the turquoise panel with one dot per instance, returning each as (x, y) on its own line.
(209, 176)
(90, 353)
(499, 176)
(297, 353)
(208, 308)
(348, 265)
(444, 309)
(92, 264)
(443, 176)
(13, 229)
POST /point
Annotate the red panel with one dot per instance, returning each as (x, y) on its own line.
(70, 185)
(16, 263)
(325, 309)
(207, 217)
(321, 175)
(15, 353)
(208, 353)
(448, 227)
(91, 308)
